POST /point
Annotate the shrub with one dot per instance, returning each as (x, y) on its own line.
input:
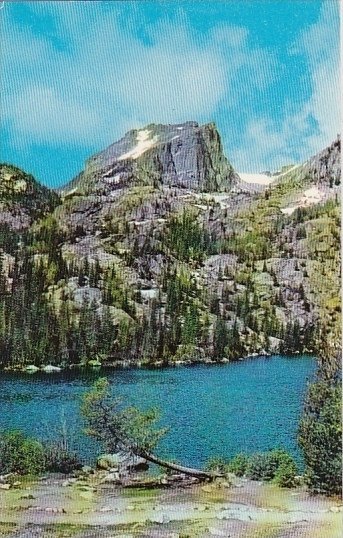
(275, 465)
(238, 465)
(261, 466)
(267, 465)
(186, 352)
(285, 474)
(217, 464)
(60, 460)
(26, 456)
(20, 454)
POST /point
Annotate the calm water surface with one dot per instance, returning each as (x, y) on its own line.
(247, 406)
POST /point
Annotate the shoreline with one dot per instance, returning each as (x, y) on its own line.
(136, 365)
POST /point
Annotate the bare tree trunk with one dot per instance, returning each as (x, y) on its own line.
(197, 473)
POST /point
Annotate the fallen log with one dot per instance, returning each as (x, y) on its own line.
(189, 471)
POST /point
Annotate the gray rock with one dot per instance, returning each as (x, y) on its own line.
(87, 469)
(160, 518)
(7, 477)
(92, 295)
(149, 294)
(49, 368)
(116, 462)
(111, 478)
(31, 368)
(109, 461)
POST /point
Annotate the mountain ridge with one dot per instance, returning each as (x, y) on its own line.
(154, 267)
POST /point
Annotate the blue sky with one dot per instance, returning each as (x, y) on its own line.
(78, 75)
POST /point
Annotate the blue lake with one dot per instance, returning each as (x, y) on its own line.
(247, 406)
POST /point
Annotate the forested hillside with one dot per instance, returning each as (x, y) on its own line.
(159, 252)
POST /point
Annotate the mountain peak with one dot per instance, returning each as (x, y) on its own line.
(184, 155)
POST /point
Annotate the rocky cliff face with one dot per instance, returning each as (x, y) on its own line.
(325, 167)
(322, 169)
(186, 156)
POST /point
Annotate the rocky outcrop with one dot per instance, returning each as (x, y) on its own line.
(186, 155)
(121, 463)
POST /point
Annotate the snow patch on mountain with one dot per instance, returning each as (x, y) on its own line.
(310, 197)
(144, 143)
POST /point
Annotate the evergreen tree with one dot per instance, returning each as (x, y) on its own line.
(190, 328)
(234, 344)
(220, 338)
(2, 277)
(320, 437)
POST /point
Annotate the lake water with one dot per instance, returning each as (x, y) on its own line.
(247, 406)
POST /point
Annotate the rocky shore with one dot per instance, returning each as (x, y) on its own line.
(131, 364)
(90, 505)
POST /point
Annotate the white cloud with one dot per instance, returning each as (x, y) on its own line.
(41, 106)
(306, 130)
(159, 85)
(320, 45)
(94, 78)
(263, 148)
